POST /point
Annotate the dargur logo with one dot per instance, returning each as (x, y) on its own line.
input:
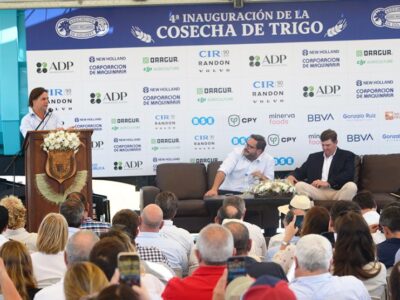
(82, 27)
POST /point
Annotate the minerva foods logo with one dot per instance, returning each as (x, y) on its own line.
(386, 17)
(82, 27)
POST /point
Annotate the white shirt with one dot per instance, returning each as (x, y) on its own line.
(326, 166)
(258, 246)
(48, 268)
(31, 120)
(52, 292)
(3, 240)
(23, 236)
(238, 169)
(180, 235)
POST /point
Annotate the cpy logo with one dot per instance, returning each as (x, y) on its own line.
(60, 66)
(356, 138)
(273, 140)
(82, 27)
(239, 140)
(320, 117)
(234, 120)
(203, 121)
(284, 161)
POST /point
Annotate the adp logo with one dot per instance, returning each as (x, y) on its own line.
(323, 90)
(59, 66)
(274, 139)
(320, 117)
(239, 140)
(97, 98)
(128, 165)
(96, 145)
(356, 138)
(203, 121)
(235, 120)
(267, 60)
(284, 161)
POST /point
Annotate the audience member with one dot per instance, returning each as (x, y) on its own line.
(3, 224)
(390, 223)
(355, 254)
(18, 263)
(7, 287)
(149, 235)
(313, 281)
(16, 223)
(259, 247)
(83, 279)
(121, 235)
(48, 262)
(214, 247)
(394, 282)
(123, 292)
(72, 210)
(340, 208)
(77, 250)
(129, 222)
(269, 287)
(87, 222)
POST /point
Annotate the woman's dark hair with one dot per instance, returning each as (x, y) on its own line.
(35, 93)
(394, 282)
(118, 292)
(316, 221)
(354, 247)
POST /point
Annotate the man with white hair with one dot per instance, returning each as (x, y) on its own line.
(214, 247)
(313, 281)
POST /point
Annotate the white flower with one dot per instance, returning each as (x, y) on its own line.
(61, 140)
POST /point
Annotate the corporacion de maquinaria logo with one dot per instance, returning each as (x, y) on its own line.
(82, 27)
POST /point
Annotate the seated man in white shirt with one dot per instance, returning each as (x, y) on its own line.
(312, 278)
(243, 168)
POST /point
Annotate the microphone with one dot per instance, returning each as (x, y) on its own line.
(49, 111)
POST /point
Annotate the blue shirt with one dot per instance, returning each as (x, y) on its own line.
(31, 120)
(174, 252)
(387, 251)
(328, 287)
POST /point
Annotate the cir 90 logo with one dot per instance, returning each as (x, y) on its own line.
(284, 161)
(202, 121)
(239, 140)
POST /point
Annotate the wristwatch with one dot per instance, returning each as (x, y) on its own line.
(284, 243)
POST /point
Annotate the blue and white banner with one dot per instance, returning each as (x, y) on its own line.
(188, 83)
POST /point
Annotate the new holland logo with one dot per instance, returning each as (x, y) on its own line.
(82, 27)
(386, 17)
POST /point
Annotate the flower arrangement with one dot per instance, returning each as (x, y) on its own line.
(61, 140)
(277, 187)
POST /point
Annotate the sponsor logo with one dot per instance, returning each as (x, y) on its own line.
(159, 160)
(213, 61)
(320, 117)
(314, 139)
(359, 117)
(125, 123)
(387, 17)
(108, 97)
(236, 120)
(61, 99)
(202, 121)
(128, 165)
(127, 145)
(88, 123)
(161, 95)
(391, 137)
(165, 144)
(97, 145)
(280, 119)
(391, 115)
(204, 142)
(214, 94)
(275, 139)
(98, 167)
(317, 59)
(107, 65)
(358, 137)
(267, 91)
(321, 91)
(164, 122)
(284, 161)
(372, 89)
(160, 63)
(271, 60)
(205, 160)
(82, 27)
(54, 67)
(239, 140)
(370, 57)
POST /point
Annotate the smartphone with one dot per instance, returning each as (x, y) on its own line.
(299, 221)
(129, 268)
(236, 267)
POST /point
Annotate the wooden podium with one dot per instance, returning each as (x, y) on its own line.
(44, 193)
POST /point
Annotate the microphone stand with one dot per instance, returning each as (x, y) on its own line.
(15, 157)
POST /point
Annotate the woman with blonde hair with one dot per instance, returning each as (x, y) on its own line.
(18, 264)
(83, 279)
(48, 263)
